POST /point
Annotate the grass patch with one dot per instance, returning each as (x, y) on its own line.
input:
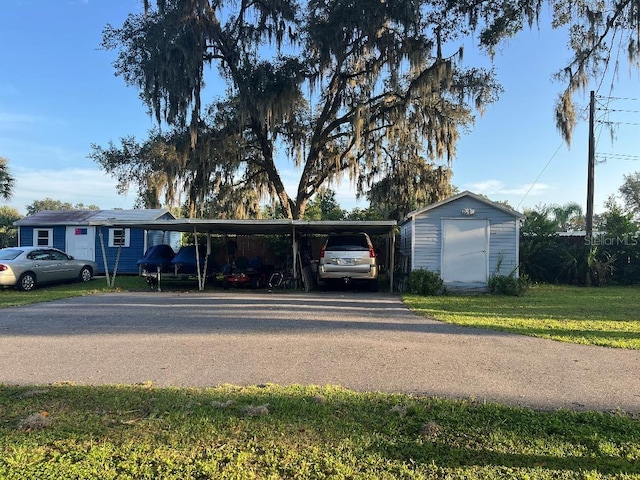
(10, 297)
(299, 432)
(606, 316)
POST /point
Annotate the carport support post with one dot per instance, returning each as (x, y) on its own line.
(206, 261)
(198, 271)
(104, 256)
(294, 251)
(159, 275)
(392, 256)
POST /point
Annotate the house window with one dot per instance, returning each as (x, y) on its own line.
(43, 237)
(119, 237)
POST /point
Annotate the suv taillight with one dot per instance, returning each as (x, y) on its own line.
(372, 252)
(3, 268)
(324, 247)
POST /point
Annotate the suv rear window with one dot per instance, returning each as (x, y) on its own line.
(347, 242)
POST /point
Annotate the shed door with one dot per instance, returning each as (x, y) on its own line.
(465, 250)
(81, 242)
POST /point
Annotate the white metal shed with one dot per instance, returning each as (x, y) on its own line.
(466, 238)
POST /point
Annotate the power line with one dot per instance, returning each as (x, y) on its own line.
(618, 156)
(629, 99)
(618, 110)
(540, 175)
(633, 124)
(614, 156)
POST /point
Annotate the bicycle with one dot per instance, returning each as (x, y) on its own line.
(281, 280)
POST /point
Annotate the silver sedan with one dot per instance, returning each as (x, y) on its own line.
(25, 267)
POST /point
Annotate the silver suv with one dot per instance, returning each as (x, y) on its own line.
(348, 257)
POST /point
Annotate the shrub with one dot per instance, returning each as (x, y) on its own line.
(509, 285)
(424, 282)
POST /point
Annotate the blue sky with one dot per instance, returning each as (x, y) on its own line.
(59, 95)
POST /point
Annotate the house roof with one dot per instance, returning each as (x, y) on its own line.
(466, 193)
(90, 217)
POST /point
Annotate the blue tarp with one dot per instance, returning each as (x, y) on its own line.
(158, 256)
(185, 259)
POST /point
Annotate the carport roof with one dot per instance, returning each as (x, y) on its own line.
(256, 227)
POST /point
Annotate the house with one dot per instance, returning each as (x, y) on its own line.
(465, 238)
(86, 234)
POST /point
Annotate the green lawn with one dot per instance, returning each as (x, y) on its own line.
(10, 297)
(608, 316)
(307, 432)
(271, 432)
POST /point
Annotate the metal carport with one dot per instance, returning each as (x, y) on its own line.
(264, 227)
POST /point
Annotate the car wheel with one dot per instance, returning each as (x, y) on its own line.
(373, 285)
(225, 284)
(85, 274)
(26, 282)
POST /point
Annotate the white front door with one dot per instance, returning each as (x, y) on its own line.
(81, 242)
(465, 250)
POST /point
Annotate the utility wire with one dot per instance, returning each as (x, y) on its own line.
(602, 122)
(621, 156)
(618, 110)
(628, 99)
(540, 175)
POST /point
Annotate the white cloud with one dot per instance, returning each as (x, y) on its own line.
(74, 185)
(486, 187)
(528, 189)
(497, 187)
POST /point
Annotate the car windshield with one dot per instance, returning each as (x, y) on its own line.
(9, 253)
(347, 242)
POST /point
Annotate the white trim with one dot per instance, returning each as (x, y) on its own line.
(413, 244)
(517, 259)
(127, 237)
(469, 194)
(36, 237)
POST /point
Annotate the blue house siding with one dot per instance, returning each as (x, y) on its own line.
(127, 261)
(405, 239)
(26, 236)
(503, 252)
(422, 233)
(427, 244)
(98, 220)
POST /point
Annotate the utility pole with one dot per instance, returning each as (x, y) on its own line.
(591, 165)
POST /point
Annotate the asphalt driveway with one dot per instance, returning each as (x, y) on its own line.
(362, 341)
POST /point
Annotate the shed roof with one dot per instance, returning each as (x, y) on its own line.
(90, 217)
(466, 193)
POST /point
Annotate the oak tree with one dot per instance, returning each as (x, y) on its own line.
(340, 89)
(372, 91)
